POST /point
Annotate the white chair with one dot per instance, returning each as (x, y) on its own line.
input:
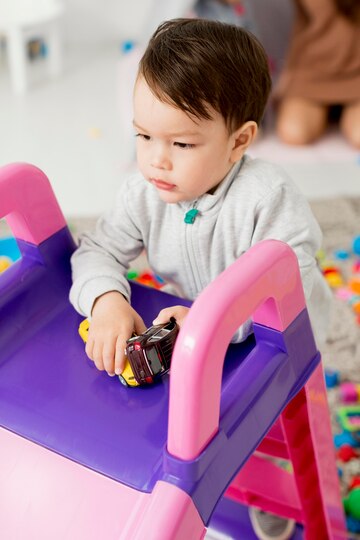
(23, 20)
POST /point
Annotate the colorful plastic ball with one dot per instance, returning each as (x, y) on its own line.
(332, 378)
(346, 453)
(344, 438)
(352, 524)
(356, 245)
(341, 254)
(352, 503)
(5, 262)
(349, 392)
(354, 284)
(355, 482)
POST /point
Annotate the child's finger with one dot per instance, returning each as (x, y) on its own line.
(164, 316)
(139, 325)
(120, 355)
(98, 356)
(109, 357)
(89, 347)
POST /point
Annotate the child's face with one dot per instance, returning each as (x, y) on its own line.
(182, 157)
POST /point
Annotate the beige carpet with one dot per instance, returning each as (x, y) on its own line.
(340, 223)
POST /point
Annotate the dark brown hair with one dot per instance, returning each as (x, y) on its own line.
(349, 8)
(196, 64)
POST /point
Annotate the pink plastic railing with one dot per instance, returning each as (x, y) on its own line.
(265, 285)
(28, 203)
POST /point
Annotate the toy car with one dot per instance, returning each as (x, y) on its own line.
(148, 355)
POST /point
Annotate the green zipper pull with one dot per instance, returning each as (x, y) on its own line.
(190, 216)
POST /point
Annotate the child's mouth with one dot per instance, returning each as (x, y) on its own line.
(160, 184)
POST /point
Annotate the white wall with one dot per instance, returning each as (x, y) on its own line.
(107, 20)
(89, 21)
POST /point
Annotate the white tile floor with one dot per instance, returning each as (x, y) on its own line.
(70, 128)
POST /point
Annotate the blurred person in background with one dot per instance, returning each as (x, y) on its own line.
(321, 73)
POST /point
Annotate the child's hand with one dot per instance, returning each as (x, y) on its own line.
(113, 322)
(179, 312)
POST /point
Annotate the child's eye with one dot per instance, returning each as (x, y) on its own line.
(143, 136)
(184, 145)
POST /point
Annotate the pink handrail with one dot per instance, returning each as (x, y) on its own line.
(264, 284)
(28, 203)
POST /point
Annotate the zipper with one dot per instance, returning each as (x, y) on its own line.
(189, 219)
(191, 214)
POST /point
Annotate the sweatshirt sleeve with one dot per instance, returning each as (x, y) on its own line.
(100, 263)
(284, 214)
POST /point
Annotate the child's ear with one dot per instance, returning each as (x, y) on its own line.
(241, 140)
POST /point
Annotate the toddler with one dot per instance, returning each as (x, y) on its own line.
(198, 201)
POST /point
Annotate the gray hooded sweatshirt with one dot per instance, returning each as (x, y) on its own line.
(255, 201)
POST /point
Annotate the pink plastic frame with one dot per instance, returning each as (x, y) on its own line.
(28, 203)
(267, 286)
(44, 495)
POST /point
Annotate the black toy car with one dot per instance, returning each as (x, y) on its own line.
(149, 354)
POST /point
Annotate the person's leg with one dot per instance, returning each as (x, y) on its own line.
(269, 527)
(350, 123)
(300, 121)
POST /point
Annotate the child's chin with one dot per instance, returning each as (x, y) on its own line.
(170, 197)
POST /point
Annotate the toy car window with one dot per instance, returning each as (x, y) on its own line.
(148, 331)
(153, 360)
(161, 333)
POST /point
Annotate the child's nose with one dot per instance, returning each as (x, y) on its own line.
(160, 158)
